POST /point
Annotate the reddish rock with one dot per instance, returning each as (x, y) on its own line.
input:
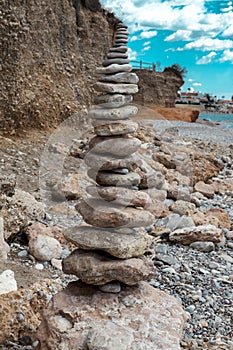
(205, 189)
(103, 214)
(203, 233)
(26, 302)
(99, 268)
(221, 215)
(139, 317)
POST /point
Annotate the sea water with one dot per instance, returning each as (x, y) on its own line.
(226, 120)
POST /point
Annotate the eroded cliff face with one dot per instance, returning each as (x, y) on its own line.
(157, 88)
(48, 54)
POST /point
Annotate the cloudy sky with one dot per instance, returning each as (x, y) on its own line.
(197, 34)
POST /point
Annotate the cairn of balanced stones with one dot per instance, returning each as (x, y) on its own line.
(111, 246)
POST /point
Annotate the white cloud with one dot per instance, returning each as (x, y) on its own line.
(228, 32)
(208, 44)
(132, 54)
(207, 59)
(197, 84)
(146, 48)
(147, 43)
(149, 34)
(188, 20)
(190, 80)
(144, 35)
(226, 56)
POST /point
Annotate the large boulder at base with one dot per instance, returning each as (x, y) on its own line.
(138, 318)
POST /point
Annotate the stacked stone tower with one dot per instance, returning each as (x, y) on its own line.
(111, 246)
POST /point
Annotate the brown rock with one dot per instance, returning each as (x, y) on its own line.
(203, 233)
(4, 248)
(165, 159)
(103, 214)
(29, 304)
(158, 209)
(120, 146)
(120, 195)
(111, 321)
(121, 127)
(205, 189)
(201, 218)
(19, 211)
(221, 215)
(174, 177)
(183, 208)
(68, 188)
(199, 168)
(95, 268)
(122, 243)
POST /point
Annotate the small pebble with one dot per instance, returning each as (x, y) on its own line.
(39, 266)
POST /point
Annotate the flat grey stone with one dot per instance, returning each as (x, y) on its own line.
(205, 247)
(121, 171)
(110, 61)
(119, 44)
(122, 243)
(100, 162)
(113, 113)
(100, 213)
(121, 41)
(120, 127)
(121, 146)
(129, 78)
(114, 68)
(112, 101)
(105, 178)
(122, 48)
(120, 195)
(121, 36)
(111, 287)
(117, 55)
(117, 88)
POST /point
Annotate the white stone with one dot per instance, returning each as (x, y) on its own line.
(113, 113)
(110, 61)
(7, 282)
(117, 88)
(44, 248)
(113, 101)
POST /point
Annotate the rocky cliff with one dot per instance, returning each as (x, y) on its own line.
(48, 53)
(157, 88)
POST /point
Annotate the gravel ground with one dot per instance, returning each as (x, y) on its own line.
(202, 282)
(201, 130)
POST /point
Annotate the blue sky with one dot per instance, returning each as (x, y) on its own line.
(197, 34)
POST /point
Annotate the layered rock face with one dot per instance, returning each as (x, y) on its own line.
(48, 54)
(111, 245)
(157, 88)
